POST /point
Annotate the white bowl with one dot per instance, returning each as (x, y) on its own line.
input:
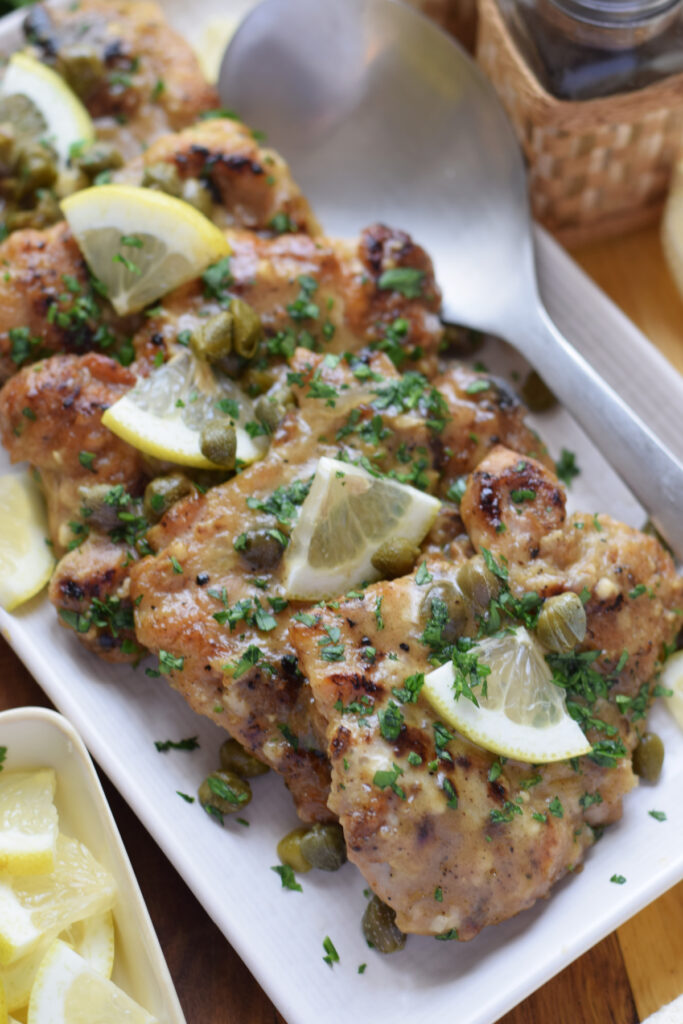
(38, 738)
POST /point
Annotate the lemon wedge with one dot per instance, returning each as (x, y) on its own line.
(523, 714)
(31, 906)
(140, 243)
(66, 120)
(68, 991)
(672, 679)
(28, 822)
(347, 515)
(92, 938)
(163, 415)
(3, 1005)
(25, 560)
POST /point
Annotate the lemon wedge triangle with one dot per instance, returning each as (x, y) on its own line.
(66, 119)
(672, 679)
(139, 243)
(26, 562)
(68, 991)
(347, 515)
(28, 822)
(164, 413)
(523, 715)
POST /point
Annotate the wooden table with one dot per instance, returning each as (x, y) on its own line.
(623, 979)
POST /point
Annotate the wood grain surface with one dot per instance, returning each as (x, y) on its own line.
(622, 980)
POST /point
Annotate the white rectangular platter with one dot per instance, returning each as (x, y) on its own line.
(279, 934)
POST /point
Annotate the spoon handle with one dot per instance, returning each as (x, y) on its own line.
(645, 464)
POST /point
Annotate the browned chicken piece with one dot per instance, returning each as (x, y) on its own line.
(228, 557)
(137, 76)
(251, 185)
(47, 301)
(447, 834)
(50, 416)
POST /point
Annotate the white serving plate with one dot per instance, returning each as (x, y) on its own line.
(38, 738)
(120, 712)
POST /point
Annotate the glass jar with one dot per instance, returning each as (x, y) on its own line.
(583, 49)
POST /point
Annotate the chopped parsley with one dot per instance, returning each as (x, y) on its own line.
(169, 663)
(618, 879)
(390, 721)
(191, 743)
(658, 815)
(423, 575)
(186, 798)
(405, 280)
(287, 877)
(331, 955)
(410, 690)
(566, 467)
(386, 778)
(86, 460)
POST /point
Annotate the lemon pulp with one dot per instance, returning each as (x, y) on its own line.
(26, 562)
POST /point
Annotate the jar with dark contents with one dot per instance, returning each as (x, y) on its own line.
(584, 49)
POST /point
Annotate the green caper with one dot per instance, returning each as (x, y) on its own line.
(289, 850)
(218, 442)
(395, 557)
(648, 757)
(270, 412)
(478, 583)
(164, 491)
(82, 67)
(262, 552)
(97, 511)
(197, 194)
(246, 332)
(7, 151)
(213, 339)
(224, 793)
(45, 212)
(236, 758)
(536, 394)
(447, 594)
(36, 169)
(323, 846)
(163, 177)
(99, 157)
(379, 927)
(562, 622)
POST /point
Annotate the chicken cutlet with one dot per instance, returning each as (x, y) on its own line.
(450, 836)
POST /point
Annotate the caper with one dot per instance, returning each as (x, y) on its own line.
(7, 151)
(82, 67)
(97, 511)
(289, 850)
(99, 157)
(478, 583)
(236, 758)
(224, 793)
(197, 194)
(45, 212)
(213, 339)
(246, 332)
(163, 177)
(262, 553)
(323, 846)
(37, 168)
(536, 394)
(218, 442)
(648, 757)
(270, 412)
(164, 491)
(447, 594)
(395, 557)
(562, 622)
(379, 927)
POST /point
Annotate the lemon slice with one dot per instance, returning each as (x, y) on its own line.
(3, 1005)
(672, 679)
(66, 119)
(92, 938)
(31, 906)
(68, 991)
(140, 243)
(347, 515)
(164, 413)
(523, 715)
(25, 560)
(28, 822)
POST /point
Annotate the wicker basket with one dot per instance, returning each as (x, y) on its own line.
(596, 167)
(456, 16)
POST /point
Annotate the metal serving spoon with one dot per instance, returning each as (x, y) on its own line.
(382, 116)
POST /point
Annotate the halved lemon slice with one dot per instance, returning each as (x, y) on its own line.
(68, 991)
(92, 938)
(672, 679)
(346, 516)
(28, 822)
(140, 243)
(163, 415)
(31, 906)
(66, 120)
(523, 715)
(26, 562)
